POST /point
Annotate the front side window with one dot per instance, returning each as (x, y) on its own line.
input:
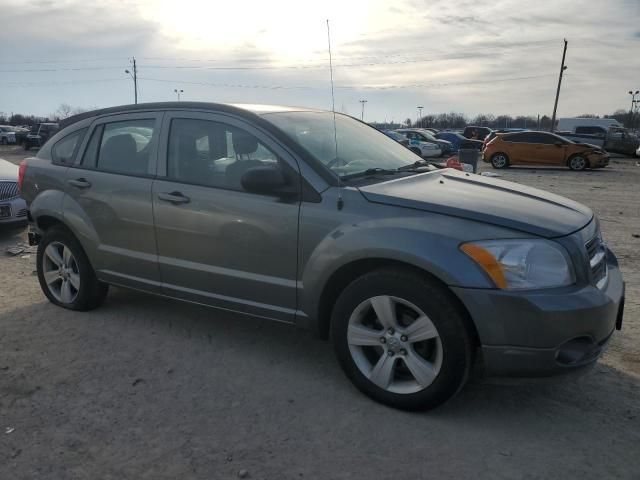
(64, 149)
(359, 146)
(125, 146)
(214, 154)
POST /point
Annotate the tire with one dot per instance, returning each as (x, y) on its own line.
(577, 163)
(441, 360)
(26, 146)
(3, 141)
(499, 160)
(83, 291)
(416, 151)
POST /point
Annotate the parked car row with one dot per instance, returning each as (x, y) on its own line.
(429, 143)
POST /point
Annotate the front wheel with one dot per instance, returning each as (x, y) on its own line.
(65, 274)
(401, 340)
(26, 146)
(578, 162)
(500, 160)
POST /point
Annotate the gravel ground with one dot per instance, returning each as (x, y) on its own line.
(151, 388)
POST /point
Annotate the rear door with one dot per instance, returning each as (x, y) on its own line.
(515, 147)
(219, 244)
(109, 192)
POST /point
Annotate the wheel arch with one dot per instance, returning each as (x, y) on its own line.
(348, 272)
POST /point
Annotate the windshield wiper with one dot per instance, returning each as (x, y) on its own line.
(414, 165)
(370, 171)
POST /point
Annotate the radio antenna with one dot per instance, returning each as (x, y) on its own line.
(333, 109)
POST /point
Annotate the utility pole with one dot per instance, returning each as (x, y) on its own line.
(562, 69)
(633, 101)
(134, 77)
(362, 114)
(420, 117)
(538, 121)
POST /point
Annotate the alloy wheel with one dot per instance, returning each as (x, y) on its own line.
(578, 163)
(499, 161)
(394, 344)
(61, 272)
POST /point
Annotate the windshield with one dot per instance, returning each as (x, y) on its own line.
(360, 147)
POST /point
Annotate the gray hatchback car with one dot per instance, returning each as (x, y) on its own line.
(318, 220)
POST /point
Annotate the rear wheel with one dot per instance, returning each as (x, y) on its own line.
(400, 339)
(577, 162)
(500, 160)
(65, 274)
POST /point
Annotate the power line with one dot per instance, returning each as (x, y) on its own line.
(416, 58)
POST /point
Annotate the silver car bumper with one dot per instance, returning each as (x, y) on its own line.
(13, 210)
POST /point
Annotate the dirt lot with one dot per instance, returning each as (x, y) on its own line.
(150, 388)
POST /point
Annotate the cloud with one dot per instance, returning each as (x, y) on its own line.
(500, 57)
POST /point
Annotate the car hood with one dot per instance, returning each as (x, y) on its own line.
(483, 199)
(8, 171)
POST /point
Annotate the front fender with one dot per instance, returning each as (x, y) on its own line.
(429, 242)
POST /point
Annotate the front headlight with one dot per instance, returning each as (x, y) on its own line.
(522, 264)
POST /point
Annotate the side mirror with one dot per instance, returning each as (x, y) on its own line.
(558, 143)
(268, 179)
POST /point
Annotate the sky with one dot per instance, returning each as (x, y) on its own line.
(500, 57)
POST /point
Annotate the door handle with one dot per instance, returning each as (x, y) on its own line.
(174, 197)
(79, 183)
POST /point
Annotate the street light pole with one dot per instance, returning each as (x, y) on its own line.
(362, 114)
(420, 116)
(562, 69)
(178, 92)
(134, 77)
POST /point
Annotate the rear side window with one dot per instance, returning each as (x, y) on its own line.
(125, 146)
(64, 150)
(516, 138)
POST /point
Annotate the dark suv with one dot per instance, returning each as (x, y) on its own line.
(413, 273)
(476, 133)
(39, 134)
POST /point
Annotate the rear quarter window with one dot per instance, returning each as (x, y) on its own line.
(65, 149)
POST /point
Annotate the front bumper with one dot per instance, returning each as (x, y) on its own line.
(597, 161)
(542, 333)
(13, 211)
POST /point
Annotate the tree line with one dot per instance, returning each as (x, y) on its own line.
(63, 111)
(455, 120)
(440, 121)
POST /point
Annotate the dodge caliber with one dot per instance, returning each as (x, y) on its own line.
(318, 220)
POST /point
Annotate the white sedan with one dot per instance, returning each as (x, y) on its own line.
(424, 149)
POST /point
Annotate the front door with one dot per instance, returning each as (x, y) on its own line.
(109, 195)
(546, 149)
(217, 243)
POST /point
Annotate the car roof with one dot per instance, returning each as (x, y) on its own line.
(239, 108)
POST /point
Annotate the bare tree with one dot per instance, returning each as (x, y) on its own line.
(63, 111)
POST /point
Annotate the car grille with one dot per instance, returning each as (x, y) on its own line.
(8, 190)
(22, 212)
(597, 253)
